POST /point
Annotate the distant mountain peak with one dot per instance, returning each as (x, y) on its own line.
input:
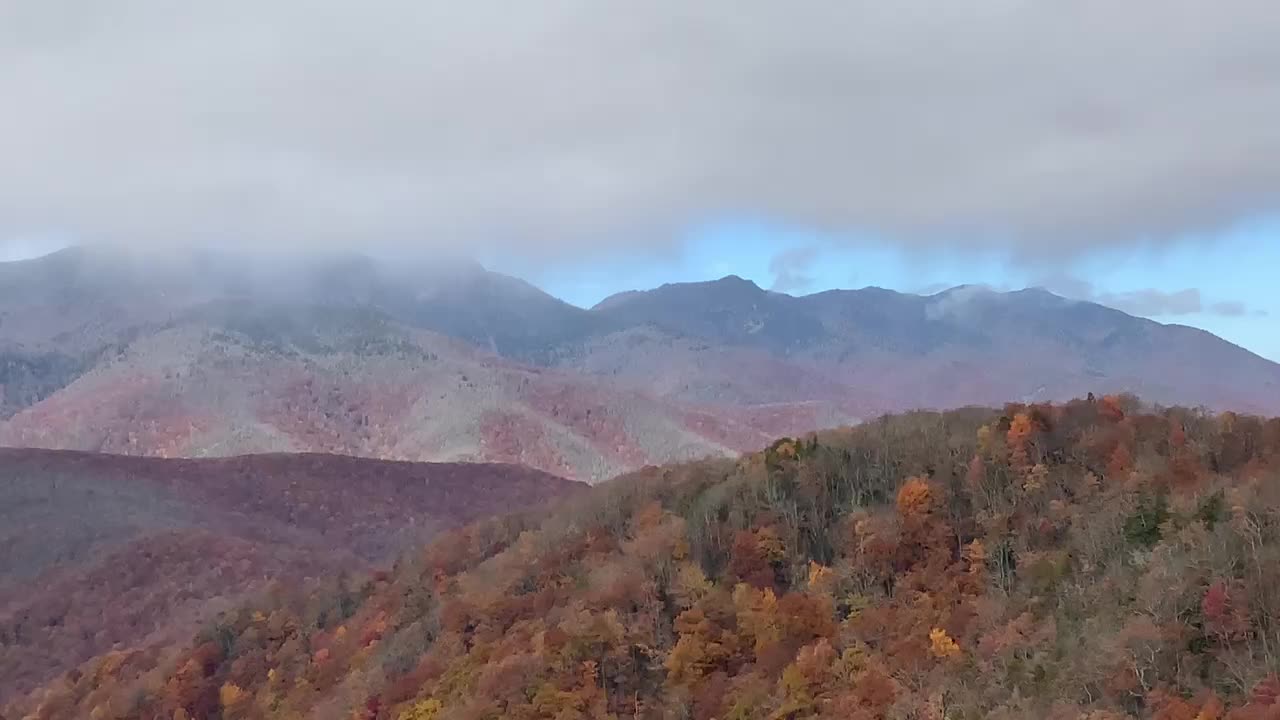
(971, 289)
(980, 290)
(616, 299)
(1039, 290)
(736, 280)
(728, 288)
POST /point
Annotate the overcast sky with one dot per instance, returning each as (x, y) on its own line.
(580, 132)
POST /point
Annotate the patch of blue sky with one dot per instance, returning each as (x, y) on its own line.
(1239, 266)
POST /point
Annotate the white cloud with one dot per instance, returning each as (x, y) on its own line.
(1146, 302)
(567, 126)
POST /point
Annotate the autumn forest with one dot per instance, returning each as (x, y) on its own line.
(1096, 559)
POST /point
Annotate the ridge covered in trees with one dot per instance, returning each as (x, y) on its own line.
(100, 550)
(1096, 560)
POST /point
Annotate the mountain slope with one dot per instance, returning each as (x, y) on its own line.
(98, 549)
(1093, 560)
(890, 351)
(209, 354)
(230, 378)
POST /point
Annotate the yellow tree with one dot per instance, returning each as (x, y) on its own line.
(915, 498)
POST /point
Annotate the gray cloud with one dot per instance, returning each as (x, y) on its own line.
(564, 126)
(1146, 301)
(791, 268)
(1229, 308)
(1150, 301)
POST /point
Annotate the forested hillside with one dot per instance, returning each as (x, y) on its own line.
(101, 551)
(213, 354)
(1089, 560)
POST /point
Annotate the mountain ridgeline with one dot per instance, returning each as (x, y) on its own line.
(203, 354)
(1095, 560)
(97, 549)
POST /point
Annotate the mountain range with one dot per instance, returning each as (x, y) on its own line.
(197, 354)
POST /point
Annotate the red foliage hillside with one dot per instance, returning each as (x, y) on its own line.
(101, 549)
(197, 391)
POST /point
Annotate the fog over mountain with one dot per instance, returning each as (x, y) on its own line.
(210, 354)
(424, 360)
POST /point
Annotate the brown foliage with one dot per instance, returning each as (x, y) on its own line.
(906, 568)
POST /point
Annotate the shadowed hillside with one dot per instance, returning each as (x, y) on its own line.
(102, 549)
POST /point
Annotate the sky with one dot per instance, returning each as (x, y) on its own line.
(1120, 152)
(1223, 282)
